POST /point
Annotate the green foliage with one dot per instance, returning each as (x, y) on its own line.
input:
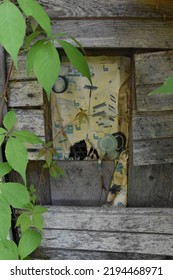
(8, 250)
(166, 88)
(43, 59)
(5, 218)
(29, 241)
(3, 133)
(35, 10)
(15, 194)
(9, 120)
(76, 59)
(17, 156)
(26, 136)
(12, 29)
(5, 168)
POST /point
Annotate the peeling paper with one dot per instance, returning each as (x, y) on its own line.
(91, 122)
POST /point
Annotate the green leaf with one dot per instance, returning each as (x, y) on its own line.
(166, 88)
(34, 9)
(24, 221)
(9, 120)
(5, 168)
(38, 221)
(17, 156)
(5, 218)
(47, 66)
(26, 136)
(40, 209)
(31, 56)
(12, 30)
(78, 43)
(29, 241)
(16, 194)
(34, 24)
(3, 133)
(30, 38)
(43, 59)
(56, 171)
(8, 250)
(76, 59)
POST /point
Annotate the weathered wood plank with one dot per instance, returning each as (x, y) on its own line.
(150, 185)
(151, 69)
(55, 254)
(107, 231)
(2, 69)
(152, 126)
(153, 151)
(110, 219)
(109, 241)
(33, 172)
(118, 34)
(32, 120)
(25, 93)
(83, 183)
(110, 8)
(19, 74)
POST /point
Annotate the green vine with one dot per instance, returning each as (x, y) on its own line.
(42, 58)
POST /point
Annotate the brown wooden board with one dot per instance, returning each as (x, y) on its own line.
(151, 69)
(37, 176)
(110, 8)
(83, 183)
(110, 33)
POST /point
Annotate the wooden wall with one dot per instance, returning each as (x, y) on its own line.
(140, 29)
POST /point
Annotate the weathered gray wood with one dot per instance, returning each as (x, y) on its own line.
(111, 8)
(55, 254)
(32, 120)
(2, 69)
(133, 230)
(118, 34)
(110, 219)
(150, 185)
(25, 93)
(20, 74)
(83, 183)
(152, 126)
(109, 241)
(151, 71)
(33, 172)
(153, 151)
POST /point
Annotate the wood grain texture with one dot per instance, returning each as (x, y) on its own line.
(151, 69)
(153, 151)
(118, 34)
(150, 185)
(19, 74)
(58, 254)
(2, 69)
(152, 126)
(109, 8)
(84, 229)
(33, 172)
(110, 219)
(25, 93)
(32, 120)
(83, 184)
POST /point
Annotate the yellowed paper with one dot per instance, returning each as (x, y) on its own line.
(91, 122)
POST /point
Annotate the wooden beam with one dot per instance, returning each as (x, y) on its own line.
(110, 33)
(110, 8)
